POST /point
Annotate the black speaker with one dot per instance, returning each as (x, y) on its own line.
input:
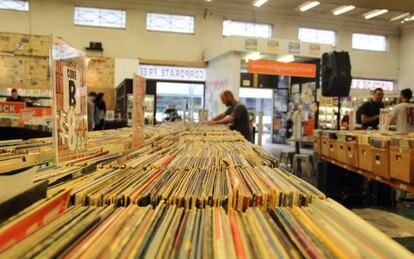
(336, 74)
(97, 46)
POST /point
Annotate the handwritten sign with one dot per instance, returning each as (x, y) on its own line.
(138, 114)
(70, 104)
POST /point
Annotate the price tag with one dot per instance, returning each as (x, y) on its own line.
(70, 104)
(403, 187)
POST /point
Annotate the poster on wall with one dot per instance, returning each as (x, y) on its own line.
(315, 49)
(138, 113)
(294, 48)
(251, 44)
(273, 45)
(212, 95)
(70, 131)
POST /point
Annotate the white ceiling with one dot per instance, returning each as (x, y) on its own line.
(244, 8)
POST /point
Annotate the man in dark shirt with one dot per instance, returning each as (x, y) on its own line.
(370, 110)
(14, 96)
(236, 115)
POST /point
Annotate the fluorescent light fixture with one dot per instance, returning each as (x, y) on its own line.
(259, 3)
(308, 5)
(286, 59)
(253, 56)
(399, 17)
(343, 9)
(375, 13)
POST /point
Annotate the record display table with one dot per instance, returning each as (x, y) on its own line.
(391, 182)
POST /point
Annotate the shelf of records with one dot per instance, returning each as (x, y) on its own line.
(38, 97)
(187, 192)
(386, 157)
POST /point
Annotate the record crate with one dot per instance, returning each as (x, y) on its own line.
(402, 159)
(380, 156)
(317, 141)
(331, 137)
(364, 152)
(325, 144)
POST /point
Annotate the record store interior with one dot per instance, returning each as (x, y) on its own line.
(206, 129)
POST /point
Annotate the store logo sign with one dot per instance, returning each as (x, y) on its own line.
(173, 73)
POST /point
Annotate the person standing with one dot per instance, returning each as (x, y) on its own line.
(15, 97)
(100, 111)
(403, 113)
(369, 112)
(236, 115)
(91, 110)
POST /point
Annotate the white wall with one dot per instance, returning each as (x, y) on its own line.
(56, 17)
(125, 68)
(406, 73)
(223, 73)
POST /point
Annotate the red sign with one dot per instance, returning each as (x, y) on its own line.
(282, 69)
(11, 107)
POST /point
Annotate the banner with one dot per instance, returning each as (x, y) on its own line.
(12, 107)
(282, 69)
(68, 71)
(138, 113)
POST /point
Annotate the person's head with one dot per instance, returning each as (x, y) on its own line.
(406, 94)
(227, 98)
(92, 96)
(14, 93)
(378, 95)
(100, 96)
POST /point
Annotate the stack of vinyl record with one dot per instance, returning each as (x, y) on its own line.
(322, 230)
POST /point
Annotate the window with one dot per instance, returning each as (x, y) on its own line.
(170, 23)
(18, 5)
(99, 17)
(317, 36)
(246, 29)
(370, 84)
(369, 42)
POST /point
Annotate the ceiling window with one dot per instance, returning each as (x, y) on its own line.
(369, 42)
(246, 29)
(18, 5)
(99, 17)
(170, 23)
(317, 36)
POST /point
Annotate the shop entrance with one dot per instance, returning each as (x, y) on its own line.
(172, 98)
(259, 100)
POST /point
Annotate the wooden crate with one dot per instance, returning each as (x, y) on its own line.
(402, 164)
(317, 145)
(380, 159)
(364, 157)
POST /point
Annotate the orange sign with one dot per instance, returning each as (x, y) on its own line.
(11, 107)
(282, 69)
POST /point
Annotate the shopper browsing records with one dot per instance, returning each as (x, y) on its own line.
(15, 97)
(91, 110)
(100, 111)
(236, 115)
(369, 112)
(403, 113)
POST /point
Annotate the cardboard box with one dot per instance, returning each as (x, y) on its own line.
(317, 145)
(380, 159)
(364, 157)
(402, 164)
(341, 154)
(352, 153)
(325, 147)
(333, 147)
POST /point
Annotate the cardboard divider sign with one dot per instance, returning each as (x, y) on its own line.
(68, 71)
(138, 114)
(283, 69)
